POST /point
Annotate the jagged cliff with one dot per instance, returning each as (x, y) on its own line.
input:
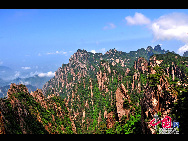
(162, 89)
(116, 92)
(89, 78)
(83, 64)
(31, 113)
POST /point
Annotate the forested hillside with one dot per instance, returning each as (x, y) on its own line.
(114, 93)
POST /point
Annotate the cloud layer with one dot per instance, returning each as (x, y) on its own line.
(48, 74)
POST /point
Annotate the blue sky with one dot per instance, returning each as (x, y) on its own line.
(38, 41)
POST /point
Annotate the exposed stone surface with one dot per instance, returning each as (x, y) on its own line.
(156, 99)
(121, 95)
(110, 120)
(39, 97)
(16, 89)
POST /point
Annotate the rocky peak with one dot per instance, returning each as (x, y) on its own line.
(185, 54)
(149, 48)
(16, 89)
(157, 48)
(20, 114)
(78, 56)
(153, 61)
(121, 96)
(111, 51)
(141, 64)
(39, 97)
(158, 97)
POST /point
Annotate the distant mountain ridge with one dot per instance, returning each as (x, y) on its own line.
(32, 83)
(185, 54)
(5, 72)
(4, 89)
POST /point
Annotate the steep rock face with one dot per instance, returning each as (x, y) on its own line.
(69, 74)
(83, 64)
(97, 93)
(110, 121)
(16, 89)
(94, 88)
(156, 101)
(33, 113)
(18, 108)
(39, 97)
(141, 65)
(159, 96)
(121, 95)
(102, 77)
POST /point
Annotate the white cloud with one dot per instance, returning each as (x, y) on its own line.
(48, 74)
(182, 49)
(172, 26)
(26, 68)
(57, 52)
(50, 53)
(138, 19)
(24, 83)
(93, 51)
(109, 26)
(102, 50)
(33, 73)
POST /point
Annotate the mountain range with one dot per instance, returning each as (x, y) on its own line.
(95, 93)
(32, 83)
(5, 73)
